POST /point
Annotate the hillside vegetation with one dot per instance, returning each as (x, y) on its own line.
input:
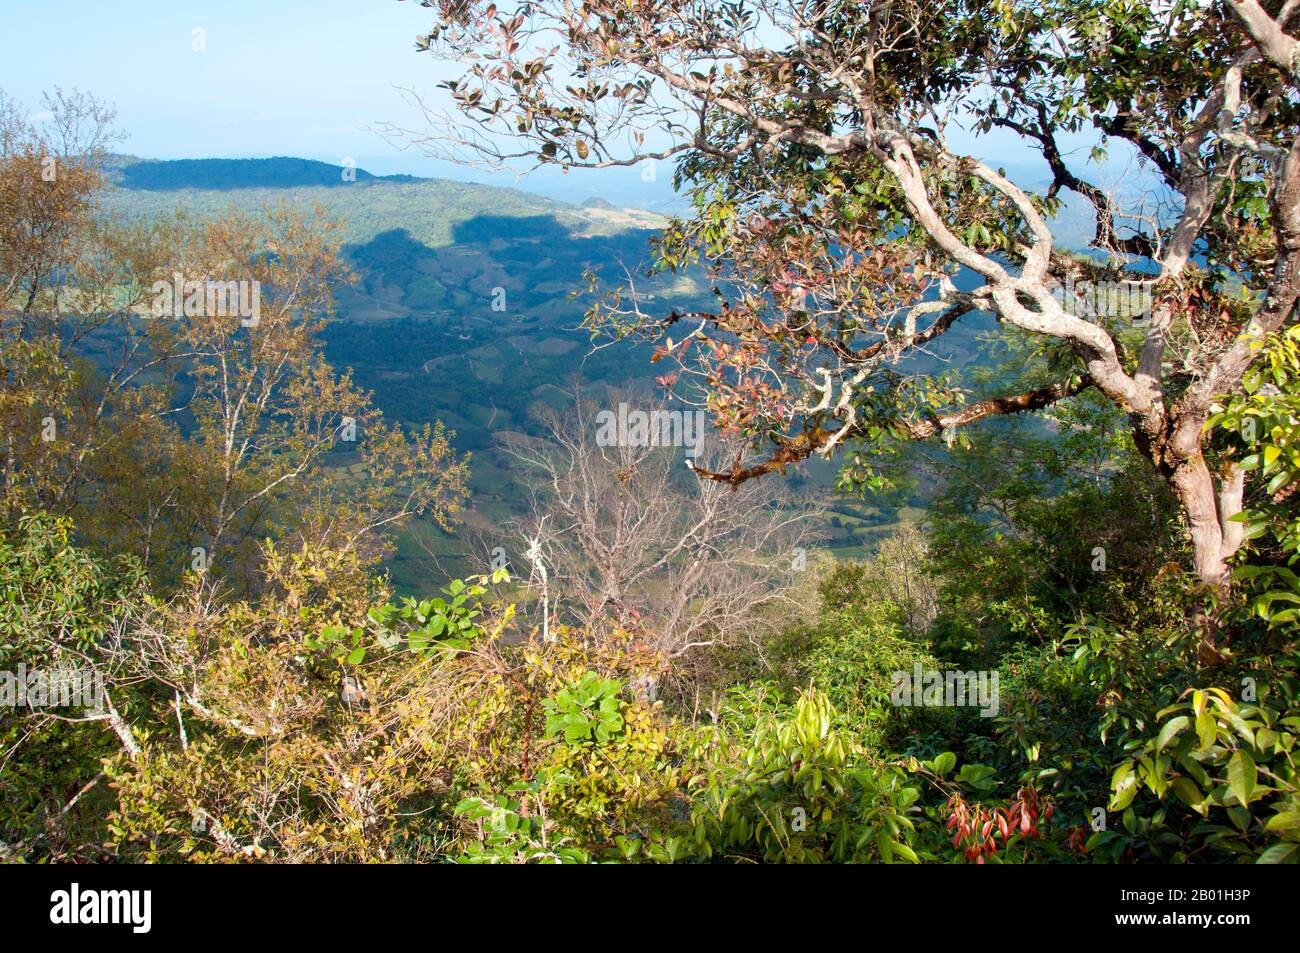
(419, 330)
(1061, 621)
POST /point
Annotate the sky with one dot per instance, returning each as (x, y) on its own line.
(256, 78)
(262, 78)
(274, 77)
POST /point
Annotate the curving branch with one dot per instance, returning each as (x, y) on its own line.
(817, 438)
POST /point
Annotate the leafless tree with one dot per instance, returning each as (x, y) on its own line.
(632, 538)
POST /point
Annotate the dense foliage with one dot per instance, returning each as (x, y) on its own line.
(323, 720)
(1085, 650)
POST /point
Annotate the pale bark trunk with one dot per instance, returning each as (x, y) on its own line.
(1215, 537)
(1231, 489)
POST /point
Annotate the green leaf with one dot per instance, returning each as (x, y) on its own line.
(1277, 854)
(978, 776)
(1206, 729)
(1241, 776)
(1186, 791)
(1123, 786)
(1171, 728)
(1284, 821)
(906, 852)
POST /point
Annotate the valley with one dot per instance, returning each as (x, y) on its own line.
(467, 308)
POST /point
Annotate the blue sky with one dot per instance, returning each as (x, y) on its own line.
(276, 77)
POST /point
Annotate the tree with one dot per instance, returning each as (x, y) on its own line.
(162, 381)
(634, 542)
(845, 232)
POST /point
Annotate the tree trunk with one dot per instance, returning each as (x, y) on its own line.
(1213, 534)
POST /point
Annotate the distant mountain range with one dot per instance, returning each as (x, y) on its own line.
(367, 204)
(281, 172)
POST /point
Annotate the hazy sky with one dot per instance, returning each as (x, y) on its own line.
(275, 77)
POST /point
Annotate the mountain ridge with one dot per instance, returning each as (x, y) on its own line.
(367, 206)
(165, 175)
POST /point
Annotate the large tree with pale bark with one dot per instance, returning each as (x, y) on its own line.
(836, 153)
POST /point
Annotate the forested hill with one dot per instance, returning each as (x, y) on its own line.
(340, 522)
(280, 172)
(367, 204)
